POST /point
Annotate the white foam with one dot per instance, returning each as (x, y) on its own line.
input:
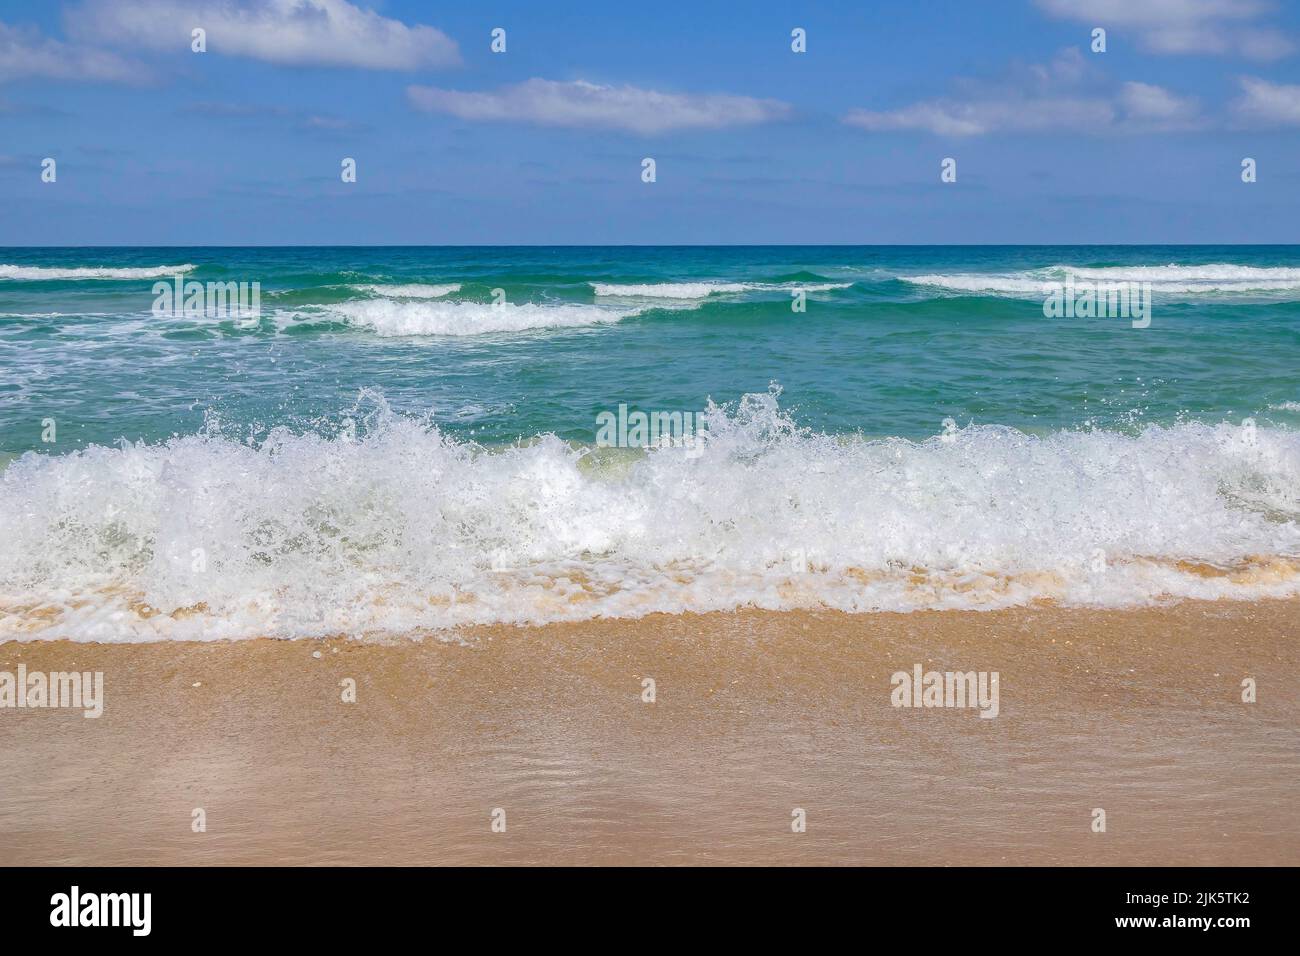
(1213, 273)
(1017, 285)
(702, 290)
(1167, 280)
(414, 290)
(391, 317)
(55, 315)
(39, 273)
(204, 537)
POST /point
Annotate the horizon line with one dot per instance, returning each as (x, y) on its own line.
(672, 245)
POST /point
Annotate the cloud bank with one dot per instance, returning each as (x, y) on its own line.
(1042, 97)
(582, 104)
(1224, 27)
(289, 32)
(26, 53)
(1268, 104)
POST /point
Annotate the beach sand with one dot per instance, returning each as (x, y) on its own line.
(1137, 712)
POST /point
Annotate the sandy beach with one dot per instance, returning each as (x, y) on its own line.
(755, 715)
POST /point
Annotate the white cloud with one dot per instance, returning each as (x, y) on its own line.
(952, 118)
(1268, 104)
(292, 32)
(1224, 27)
(1054, 96)
(1143, 101)
(26, 53)
(553, 103)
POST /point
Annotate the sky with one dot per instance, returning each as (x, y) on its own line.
(544, 143)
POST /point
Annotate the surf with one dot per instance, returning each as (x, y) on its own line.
(1177, 280)
(402, 528)
(83, 273)
(394, 317)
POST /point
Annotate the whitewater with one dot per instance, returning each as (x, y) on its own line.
(405, 441)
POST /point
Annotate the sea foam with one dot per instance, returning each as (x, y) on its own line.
(404, 529)
(410, 290)
(393, 317)
(702, 290)
(46, 273)
(1168, 280)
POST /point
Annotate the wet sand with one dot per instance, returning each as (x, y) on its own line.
(1138, 712)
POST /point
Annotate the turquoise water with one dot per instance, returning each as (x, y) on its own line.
(403, 439)
(883, 356)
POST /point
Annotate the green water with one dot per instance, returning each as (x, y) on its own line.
(882, 355)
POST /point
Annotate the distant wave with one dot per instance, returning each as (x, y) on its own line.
(389, 317)
(403, 527)
(701, 290)
(1167, 279)
(413, 290)
(1175, 273)
(1009, 284)
(58, 315)
(40, 273)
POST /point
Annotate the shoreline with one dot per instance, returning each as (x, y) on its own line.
(756, 714)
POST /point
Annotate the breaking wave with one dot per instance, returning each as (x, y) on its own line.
(1169, 279)
(390, 317)
(412, 290)
(46, 273)
(702, 290)
(403, 529)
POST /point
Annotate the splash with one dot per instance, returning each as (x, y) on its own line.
(404, 529)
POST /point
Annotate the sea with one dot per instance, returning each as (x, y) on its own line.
(399, 441)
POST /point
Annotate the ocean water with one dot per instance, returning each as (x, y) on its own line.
(405, 439)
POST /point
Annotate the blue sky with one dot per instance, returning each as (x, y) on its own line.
(753, 143)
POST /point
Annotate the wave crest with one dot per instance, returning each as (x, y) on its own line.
(410, 290)
(47, 273)
(1218, 278)
(390, 317)
(405, 529)
(702, 290)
